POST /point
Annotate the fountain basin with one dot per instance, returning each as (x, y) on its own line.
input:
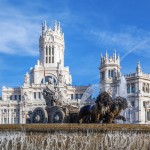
(75, 136)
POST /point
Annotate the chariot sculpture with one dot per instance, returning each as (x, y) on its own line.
(105, 109)
(56, 111)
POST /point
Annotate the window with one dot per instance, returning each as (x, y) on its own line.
(53, 51)
(109, 73)
(103, 75)
(53, 59)
(15, 120)
(133, 103)
(5, 120)
(128, 88)
(15, 97)
(47, 79)
(148, 115)
(49, 59)
(46, 60)
(52, 55)
(39, 95)
(81, 96)
(112, 73)
(11, 120)
(46, 50)
(71, 96)
(49, 51)
(49, 54)
(147, 88)
(19, 97)
(143, 87)
(34, 95)
(133, 88)
(11, 97)
(76, 96)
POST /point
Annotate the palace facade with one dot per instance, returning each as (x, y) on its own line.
(17, 103)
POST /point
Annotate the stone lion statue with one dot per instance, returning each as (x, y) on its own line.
(94, 113)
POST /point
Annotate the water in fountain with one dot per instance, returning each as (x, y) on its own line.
(75, 140)
(123, 93)
(89, 95)
(123, 87)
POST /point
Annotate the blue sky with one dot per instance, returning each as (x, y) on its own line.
(91, 27)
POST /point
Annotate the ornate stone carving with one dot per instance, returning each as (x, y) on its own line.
(27, 79)
(147, 104)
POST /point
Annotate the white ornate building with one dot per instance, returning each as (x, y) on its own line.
(137, 88)
(16, 103)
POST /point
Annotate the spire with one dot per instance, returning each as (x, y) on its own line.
(55, 25)
(138, 68)
(44, 27)
(118, 56)
(115, 56)
(58, 26)
(106, 55)
(101, 56)
(139, 64)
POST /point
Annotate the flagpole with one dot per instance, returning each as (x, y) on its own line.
(44, 75)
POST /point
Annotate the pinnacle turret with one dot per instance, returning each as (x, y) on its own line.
(112, 59)
(44, 27)
(139, 68)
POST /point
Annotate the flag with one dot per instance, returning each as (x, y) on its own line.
(44, 72)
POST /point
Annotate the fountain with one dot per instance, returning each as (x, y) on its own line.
(93, 90)
(123, 87)
(74, 136)
(123, 92)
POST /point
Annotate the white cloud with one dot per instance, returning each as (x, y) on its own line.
(128, 40)
(19, 38)
(21, 26)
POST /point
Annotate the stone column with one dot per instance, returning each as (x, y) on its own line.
(136, 87)
(140, 105)
(20, 115)
(145, 114)
(1, 116)
(9, 116)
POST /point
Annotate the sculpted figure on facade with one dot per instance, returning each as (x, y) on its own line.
(27, 79)
(25, 97)
(60, 77)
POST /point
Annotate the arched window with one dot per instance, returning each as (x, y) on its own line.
(148, 115)
(133, 87)
(147, 88)
(128, 88)
(46, 54)
(46, 79)
(143, 87)
(112, 73)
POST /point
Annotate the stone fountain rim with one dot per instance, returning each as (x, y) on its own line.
(74, 127)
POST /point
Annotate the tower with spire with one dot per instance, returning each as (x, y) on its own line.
(109, 73)
(51, 45)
